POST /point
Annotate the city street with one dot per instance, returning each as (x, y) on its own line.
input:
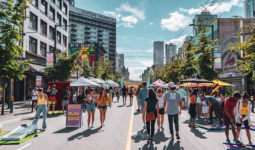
(116, 134)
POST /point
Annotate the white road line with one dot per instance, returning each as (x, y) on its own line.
(183, 115)
(24, 146)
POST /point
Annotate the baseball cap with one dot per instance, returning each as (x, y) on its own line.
(201, 95)
(171, 84)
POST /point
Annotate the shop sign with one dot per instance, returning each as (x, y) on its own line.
(38, 81)
(74, 115)
(229, 62)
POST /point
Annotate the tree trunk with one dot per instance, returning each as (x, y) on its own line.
(3, 100)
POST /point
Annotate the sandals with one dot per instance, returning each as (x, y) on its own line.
(190, 125)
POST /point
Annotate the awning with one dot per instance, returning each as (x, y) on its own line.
(37, 68)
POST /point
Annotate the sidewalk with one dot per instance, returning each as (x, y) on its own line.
(20, 111)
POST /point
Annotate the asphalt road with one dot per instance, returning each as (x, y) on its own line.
(118, 134)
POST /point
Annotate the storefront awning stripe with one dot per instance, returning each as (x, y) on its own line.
(37, 68)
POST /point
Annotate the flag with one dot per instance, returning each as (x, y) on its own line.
(148, 82)
(122, 82)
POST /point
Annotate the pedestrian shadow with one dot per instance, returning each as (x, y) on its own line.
(129, 106)
(140, 136)
(121, 106)
(173, 146)
(137, 113)
(84, 134)
(186, 122)
(148, 146)
(66, 130)
(159, 137)
(197, 133)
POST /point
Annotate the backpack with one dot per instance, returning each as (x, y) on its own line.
(66, 96)
(222, 105)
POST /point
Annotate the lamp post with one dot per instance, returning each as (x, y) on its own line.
(55, 38)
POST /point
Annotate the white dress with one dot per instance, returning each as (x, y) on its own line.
(205, 108)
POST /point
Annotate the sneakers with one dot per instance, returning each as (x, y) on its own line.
(250, 143)
(177, 136)
(92, 126)
(145, 126)
(138, 110)
(36, 135)
(89, 128)
(238, 142)
(158, 130)
(172, 137)
(103, 124)
(228, 141)
(162, 128)
(210, 122)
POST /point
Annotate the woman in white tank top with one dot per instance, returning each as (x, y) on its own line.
(160, 119)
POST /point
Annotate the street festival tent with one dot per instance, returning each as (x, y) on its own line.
(111, 83)
(97, 81)
(84, 82)
(158, 83)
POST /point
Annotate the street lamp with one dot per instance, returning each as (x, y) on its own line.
(55, 38)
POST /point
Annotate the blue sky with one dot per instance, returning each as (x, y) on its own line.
(140, 22)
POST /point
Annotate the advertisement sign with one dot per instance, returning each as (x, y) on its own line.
(49, 59)
(74, 115)
(217, 60)
(38, 81)
(229, 62)
(148, 82)
(122, 82)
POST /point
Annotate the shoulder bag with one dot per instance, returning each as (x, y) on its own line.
(150, 116)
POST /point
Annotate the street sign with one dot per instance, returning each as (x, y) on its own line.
(74, 115)
(38, 81)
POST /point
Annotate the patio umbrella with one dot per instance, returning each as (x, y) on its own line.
(97, 81)
(221, 83)
(197, 79)
(84, 82)
(112, 83)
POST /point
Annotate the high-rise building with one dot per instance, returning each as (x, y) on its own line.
(158, 53)
(118, 64)
(93, 28)
(249, 8)
(203, 18)
(170, 52)
(121, 62)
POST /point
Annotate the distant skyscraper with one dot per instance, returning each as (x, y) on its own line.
(203, 18)
(249, 9)
(158, 53)
(170, 51)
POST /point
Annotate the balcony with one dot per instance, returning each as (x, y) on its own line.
(73, 30)
(100, 30)
(112, 46)
(100, 35)
(99, 40)
(73, 40)
(111, 41)
(86, 32)
(87, 28)
(87, 37)
(112, 37)
(111, 33)
(73, 35)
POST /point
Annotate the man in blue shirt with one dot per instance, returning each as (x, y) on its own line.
(143, 93)
(183, 94)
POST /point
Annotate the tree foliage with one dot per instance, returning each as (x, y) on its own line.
(11, 17)
(64, 67)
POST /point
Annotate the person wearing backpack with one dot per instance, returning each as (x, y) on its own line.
(53, 99)
(131, 95)
(228, 115)
(243, 112)
(65, 101)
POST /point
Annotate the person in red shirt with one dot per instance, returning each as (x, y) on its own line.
(228, 115)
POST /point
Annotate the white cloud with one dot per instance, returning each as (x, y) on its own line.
(175, 22)
(139, 13)
(151, 23)
(178, 41)
(140, 38)
(217, 8)
(149, 50)
(112, 14)
(129, 21)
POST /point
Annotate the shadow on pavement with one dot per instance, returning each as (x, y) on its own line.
(197, 133)
(173, 146)
(137, 113)
(129, 106)
(140, 136)
(121, 106)
(66, 130)
(85, 133)
(148, 146)
(160, 137)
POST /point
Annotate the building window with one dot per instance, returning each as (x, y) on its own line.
(44, 6)
(43, 27)
(32, 45)
(58, 19)
(58, 37)
(53, 1)
(33, 21)
(59, 3)
(35, 3)
(64, 24)
(65, 40)
(52, 13)
(51, 49)
(65, 8)
(51, 32)
(43, 47)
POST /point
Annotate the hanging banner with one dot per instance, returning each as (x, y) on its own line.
(74, 115)
(217, 61)
(38, 81)
(148, 82)
(122, 82)
(49, 60)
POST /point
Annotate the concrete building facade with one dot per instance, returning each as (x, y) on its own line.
(170, 52)
(158, 53)
(118, 63)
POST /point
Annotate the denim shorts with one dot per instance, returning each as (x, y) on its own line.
(91, 107)
(102, 107)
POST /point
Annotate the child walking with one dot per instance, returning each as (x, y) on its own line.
(205, 109)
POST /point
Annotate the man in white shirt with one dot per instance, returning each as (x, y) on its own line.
(199, 104)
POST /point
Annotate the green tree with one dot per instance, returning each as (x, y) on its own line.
(205, 50)
(174, 71)
(64, 67)
(107, 70)
(117, 77)
(87, 70)
(189, 61)
(246, 49)
(11, 17)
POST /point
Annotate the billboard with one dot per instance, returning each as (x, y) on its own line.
(87, 52)
(49, 60)
(217, 61)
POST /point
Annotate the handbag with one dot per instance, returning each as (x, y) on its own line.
(150, 116)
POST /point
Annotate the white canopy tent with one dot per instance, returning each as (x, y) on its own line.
(84, 82)
(97, 81)
(112, 83)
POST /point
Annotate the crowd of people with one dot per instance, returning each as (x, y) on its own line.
(154, 104)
